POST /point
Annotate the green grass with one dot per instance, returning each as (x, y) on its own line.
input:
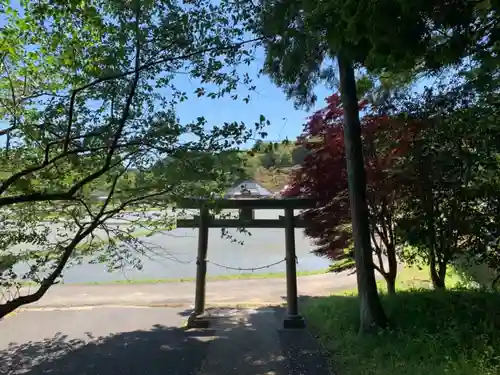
(432, 333)
(342, 265)
(239, 276)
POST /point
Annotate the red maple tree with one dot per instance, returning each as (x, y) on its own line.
(323, 177)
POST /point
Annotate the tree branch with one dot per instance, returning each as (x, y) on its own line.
(378, 252)
(61, 196)
(140, 68)
(12, 305)
(48, 162)
(6, 130)
(124, 117)
(36, 197)
(112, 191)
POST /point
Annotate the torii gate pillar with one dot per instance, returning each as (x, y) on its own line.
(293, 319)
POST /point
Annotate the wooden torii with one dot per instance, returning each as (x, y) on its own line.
(246, 206)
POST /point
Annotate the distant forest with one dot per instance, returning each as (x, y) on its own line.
(270, 163)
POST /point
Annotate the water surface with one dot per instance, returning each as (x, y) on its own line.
(173, 255)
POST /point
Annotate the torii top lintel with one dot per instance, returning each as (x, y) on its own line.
(249, 203)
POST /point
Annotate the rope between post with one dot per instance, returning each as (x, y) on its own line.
(247, 269)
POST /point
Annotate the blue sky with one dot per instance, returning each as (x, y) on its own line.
(286, 121)
(268, 100)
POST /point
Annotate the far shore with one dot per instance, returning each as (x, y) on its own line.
(241, 276)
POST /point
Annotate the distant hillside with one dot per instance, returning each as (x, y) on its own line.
(271, 163)
(273, 179)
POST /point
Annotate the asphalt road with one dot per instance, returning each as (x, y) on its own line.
(149, 341)
(232, 292)
(101, 341)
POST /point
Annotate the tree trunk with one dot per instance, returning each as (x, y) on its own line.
(438, 273)
(393, 269)
(6, 309)
(391, 284)
(438, 282)
(372, 314)
(10, 306)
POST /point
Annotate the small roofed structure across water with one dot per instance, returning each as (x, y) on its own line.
(248, 189)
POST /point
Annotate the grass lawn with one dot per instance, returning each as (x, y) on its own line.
(237, 276)
(456, 332)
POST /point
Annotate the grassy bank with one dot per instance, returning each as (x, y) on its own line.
(432, 333)
(238, 276)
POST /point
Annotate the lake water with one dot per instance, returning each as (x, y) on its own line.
(173, 255)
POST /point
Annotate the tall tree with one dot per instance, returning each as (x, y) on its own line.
(450, 210)
(88, 94)
(323, 178)
(371, 311)
(305, 36)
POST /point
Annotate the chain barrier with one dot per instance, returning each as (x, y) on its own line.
(250, 269)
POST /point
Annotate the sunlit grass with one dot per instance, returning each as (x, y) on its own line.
(237, 276)
(432, 333)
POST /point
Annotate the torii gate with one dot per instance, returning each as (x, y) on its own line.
(246, 207)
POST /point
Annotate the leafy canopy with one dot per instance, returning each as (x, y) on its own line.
(386, 37)
(323, 177)
(88, 96)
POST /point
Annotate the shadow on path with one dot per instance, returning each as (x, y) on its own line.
(160, 350)
(253, 344)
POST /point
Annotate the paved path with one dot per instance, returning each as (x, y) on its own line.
(140, 341)
(220, 292)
